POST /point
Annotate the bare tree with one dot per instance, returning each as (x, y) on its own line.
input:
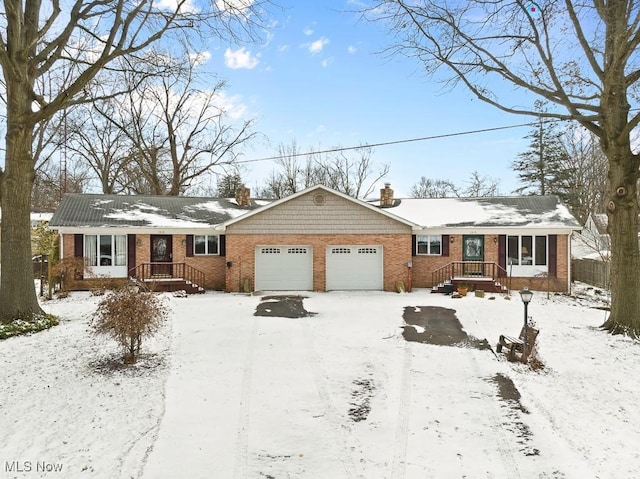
(586, 186)
(432, 188)
(95, 141)
(38, 39)
(355, 177)
(478, 186)
(176, 132)
(582, 57)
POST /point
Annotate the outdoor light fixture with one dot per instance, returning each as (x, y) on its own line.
(526, 296)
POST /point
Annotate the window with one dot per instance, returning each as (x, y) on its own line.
(205, 244)
(429, 244)
(367, 250)
(527, 250)
(105, 250)
(297, 250)
(340, 251)
(270, 250)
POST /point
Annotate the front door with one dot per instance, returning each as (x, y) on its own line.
(473, 254)
(161, 252)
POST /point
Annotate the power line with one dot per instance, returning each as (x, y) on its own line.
(387, 143)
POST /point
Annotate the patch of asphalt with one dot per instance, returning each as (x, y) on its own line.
(282, 306)
(514, 410)
(438, 326)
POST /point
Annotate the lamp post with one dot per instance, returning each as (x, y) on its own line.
(526, 296)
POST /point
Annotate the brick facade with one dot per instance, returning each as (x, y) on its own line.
(241, 253)
(424, 265)
(213, 266)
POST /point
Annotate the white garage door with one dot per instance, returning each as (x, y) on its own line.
(284, 268)
(354, 267)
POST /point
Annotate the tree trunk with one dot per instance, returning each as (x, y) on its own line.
(18, 298)
(622, 210)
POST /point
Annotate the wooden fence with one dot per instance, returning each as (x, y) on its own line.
(591, 271)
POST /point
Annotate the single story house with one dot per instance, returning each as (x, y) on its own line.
(319, 240)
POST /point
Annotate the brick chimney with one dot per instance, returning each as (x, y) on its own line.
(386, 196)
(243, 196)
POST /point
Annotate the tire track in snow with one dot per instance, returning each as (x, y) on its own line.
(504, 448)
(404, 409)
(242, 441)
(330, 411)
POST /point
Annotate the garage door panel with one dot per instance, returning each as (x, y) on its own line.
(284, 268)
(354, 267)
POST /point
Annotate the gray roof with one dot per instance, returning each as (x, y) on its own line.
(91, 210)
(500, 211)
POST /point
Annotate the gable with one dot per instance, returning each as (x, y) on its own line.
(318, 211)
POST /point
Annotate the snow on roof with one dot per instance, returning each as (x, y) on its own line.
(81, 210)
(523, 211)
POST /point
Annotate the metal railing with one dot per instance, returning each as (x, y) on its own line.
(165, 271)
(468, 269)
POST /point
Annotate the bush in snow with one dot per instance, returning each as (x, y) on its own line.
(128, 315)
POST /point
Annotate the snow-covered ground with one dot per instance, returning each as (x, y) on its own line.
(221, 393)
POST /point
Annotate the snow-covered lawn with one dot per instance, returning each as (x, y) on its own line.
(221, 393)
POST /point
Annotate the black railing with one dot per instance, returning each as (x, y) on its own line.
(468, 270)
(149, 272)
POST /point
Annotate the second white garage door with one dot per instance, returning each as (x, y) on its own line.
(354, 267)
(284, 268)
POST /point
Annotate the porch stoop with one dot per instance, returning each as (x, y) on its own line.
(486, 284)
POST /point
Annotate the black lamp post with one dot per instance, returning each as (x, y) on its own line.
(526, 296)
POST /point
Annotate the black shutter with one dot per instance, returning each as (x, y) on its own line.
(502, 255)
(222, 245)
(78, 246)
(78, 252)
(553, 256)
(189, 251)
(445, 245)
(413, 245)
(131, 255)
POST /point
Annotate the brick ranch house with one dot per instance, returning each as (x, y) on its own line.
(318, 240)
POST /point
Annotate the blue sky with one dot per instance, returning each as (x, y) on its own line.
(319, 79)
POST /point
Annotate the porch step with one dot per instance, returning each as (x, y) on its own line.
(170, 285)
(488, 285)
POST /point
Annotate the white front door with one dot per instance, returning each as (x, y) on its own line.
(284, 268)
(354, 267)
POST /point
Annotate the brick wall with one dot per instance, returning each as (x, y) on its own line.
(241, 252)
(424, 265)
(212, 266)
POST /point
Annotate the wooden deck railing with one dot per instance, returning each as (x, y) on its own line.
(468, 269)
(164, 271)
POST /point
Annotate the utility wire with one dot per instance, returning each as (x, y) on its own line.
(387, 143)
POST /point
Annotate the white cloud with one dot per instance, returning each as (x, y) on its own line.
(352, 49)
(318, 45)
(240, 58)
(308, 31)
(326, 62)
(200, 58)
(172, 6)
(234, 7)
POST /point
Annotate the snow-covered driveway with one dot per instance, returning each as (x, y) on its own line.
(341, 394)
(221, 393)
